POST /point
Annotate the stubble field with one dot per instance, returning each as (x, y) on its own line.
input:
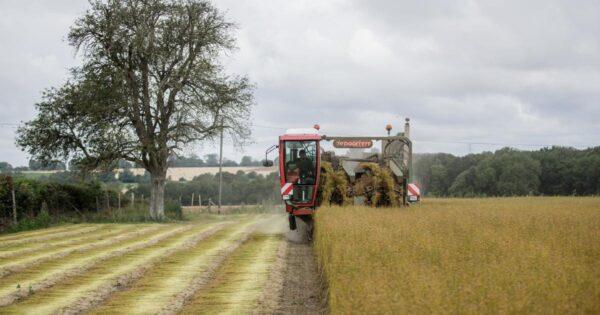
(476, 256)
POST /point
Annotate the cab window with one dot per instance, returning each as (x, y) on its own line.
(300, 162)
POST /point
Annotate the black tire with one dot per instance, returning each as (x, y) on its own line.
(308, 219)
(309, 231)
(292, 220)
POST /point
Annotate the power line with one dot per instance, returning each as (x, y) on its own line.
(9, 125)
(486, 143)
(466, 142)
(269, 127)
(470, 143)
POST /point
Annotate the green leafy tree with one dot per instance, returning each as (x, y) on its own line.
(463, 185)
(46, 165)
(5, 167)
(518, 173)
(249, 161)
(212, 159)
(485, 177)
(191, 161)
(150, 84)
(228, 162)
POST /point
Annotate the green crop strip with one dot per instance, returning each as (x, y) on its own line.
(102, 232)
(239, 282)
(174, 274)
(53, 268)
(52, 252)
(87, 283)
(44, 232)
(51, 236)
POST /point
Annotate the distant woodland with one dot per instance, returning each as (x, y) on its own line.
(209, 160)
(508, 172)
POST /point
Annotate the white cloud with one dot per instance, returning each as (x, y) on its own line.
(367, 50)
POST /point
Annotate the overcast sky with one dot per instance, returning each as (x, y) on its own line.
(500, 72)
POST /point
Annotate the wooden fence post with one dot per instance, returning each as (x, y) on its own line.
(132, 199)
(107, 200)
(192, 203)
(119, 200)
(14, 206)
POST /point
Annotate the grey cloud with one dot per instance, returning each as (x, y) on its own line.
(483, 71)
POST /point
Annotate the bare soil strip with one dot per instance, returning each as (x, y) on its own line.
(303, 291)
(77, 230)
(240, 281)
(167, 285)
(28, 260)
(48, 273)
(84, 291)
(86, 237)
(43, 232)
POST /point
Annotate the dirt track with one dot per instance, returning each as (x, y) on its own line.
(227, 264)
(302, 291)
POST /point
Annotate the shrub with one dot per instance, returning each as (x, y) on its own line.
(173, 210)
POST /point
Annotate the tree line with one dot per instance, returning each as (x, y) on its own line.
(239, 188)
(209, 160)
(71, 194)
(509, 172)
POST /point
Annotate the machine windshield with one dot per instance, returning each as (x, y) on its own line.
(300, 162)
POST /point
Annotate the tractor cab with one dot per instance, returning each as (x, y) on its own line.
(299, 165)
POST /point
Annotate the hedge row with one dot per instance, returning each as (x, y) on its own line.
(59, 198)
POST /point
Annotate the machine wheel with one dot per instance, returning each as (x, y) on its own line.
(292, 220)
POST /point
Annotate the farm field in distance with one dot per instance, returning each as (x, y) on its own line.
(476, 256)
(230, 264)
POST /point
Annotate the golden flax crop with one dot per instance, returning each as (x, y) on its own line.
(473, 256)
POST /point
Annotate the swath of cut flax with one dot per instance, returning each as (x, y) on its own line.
(164, 290)
(85, 291)
(48, 274)
(239, 283)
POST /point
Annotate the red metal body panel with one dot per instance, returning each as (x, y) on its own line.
(303, 211)
(300, 137)
(302, 208)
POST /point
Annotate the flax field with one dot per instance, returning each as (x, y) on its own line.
(463, 256)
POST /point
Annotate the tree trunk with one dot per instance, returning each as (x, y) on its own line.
(157, 196)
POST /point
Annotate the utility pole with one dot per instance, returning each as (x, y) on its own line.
(14, 205)
(220, 168)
